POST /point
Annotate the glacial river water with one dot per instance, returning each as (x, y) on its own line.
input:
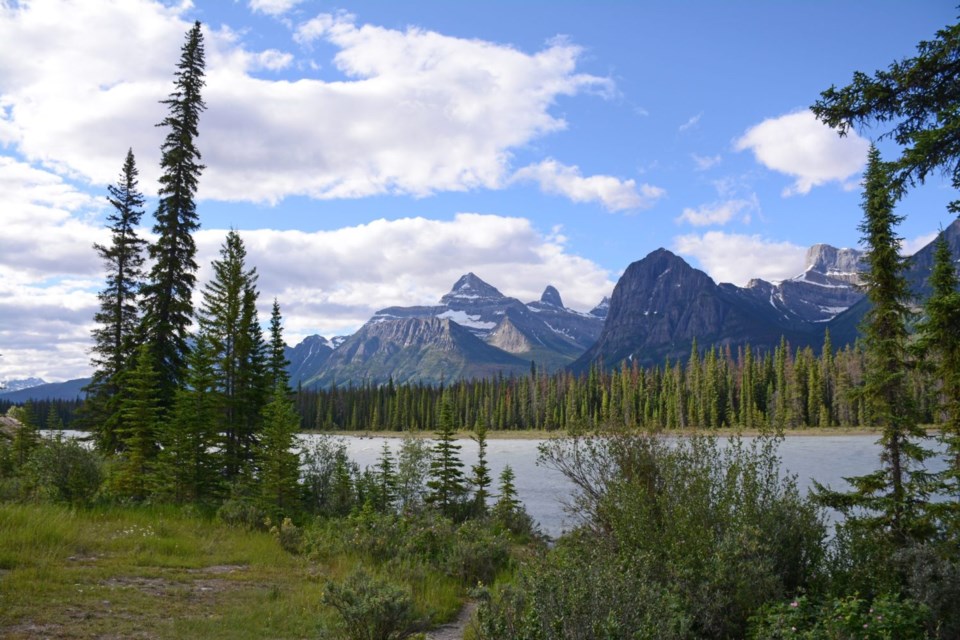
(544, 492)
(825, 458)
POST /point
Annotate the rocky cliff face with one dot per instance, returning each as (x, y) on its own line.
(827, 287)
(307, 358)
(427, 350)
(661, 304)
(835, 264)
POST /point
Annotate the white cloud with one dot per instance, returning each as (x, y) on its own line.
(705, 162)
(691, 123)
(613, 193)
(332, 281)
(912, 245)
(719, 212)
(736, 258)
(418, 112)
(799, 145)
(327, 282)
(273, 7)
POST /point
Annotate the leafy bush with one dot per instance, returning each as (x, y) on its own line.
(476, 554)
(240, 512)
(62, 470)
(849, 618)
(682, 538)
(371, 609)
(289, 535)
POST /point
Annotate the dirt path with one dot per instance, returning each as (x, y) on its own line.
(454, 630)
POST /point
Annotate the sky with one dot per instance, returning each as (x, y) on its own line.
(371, 152)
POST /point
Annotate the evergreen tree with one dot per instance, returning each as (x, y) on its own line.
(277, 363)
(190, 463)
(228, 320)
(139, 411)
(893, 496)
(167, 294)
(118, 318)
(481, 473)
(940, 341)
(918, 97)
(279, 466)
(386, 478)
(446, 486)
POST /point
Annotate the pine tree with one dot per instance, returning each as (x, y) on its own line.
(228, 320)
(167, 294)
(139, 411)
(118, 318)
(190, 463)
(893, 496)
(446, 486)
(940, 341)
(279, 466)
(277, 363)
(386, 477)
(481, 473)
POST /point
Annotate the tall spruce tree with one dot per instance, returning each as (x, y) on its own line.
(894, 497)
(940, 342)
(481, 473)
(278, 464)
(228, 320)
(168, 305)
(191, 460)
(446, 486)
(133, 476)
(277, 363)
(118, 318)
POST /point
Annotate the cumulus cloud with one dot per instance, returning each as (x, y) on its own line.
(800, 146)
(415, 112)
(613, 193)
(327, 282)
(720, 213)
(911, 245)
(273, 7)
(736, 258)
(330, 282)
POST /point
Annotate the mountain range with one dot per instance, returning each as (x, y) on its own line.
(659, 306)
(474, 331)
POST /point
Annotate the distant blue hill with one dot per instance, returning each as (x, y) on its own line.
(69, 390)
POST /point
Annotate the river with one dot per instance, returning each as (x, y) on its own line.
(825, 458)
(544, 492)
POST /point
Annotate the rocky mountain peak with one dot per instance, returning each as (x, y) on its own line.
(842, 264)
(552, 297)
(471, 288)
(600, 311)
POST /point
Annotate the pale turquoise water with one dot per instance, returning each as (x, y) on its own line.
(827, 459)
(544, 492)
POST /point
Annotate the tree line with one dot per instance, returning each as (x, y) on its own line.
(713, 388)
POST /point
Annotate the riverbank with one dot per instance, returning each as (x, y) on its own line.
(544, 434)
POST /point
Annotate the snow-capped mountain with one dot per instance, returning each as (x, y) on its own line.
(827, 287)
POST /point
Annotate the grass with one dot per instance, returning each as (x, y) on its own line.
(164, 572)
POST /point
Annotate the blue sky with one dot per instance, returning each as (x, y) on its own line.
(371, 152)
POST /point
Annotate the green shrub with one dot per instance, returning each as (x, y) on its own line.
(239, 512)
(289, 535)
(371, 609)
(684, 538)
(60, 470)
(476, 554)
(848, 618)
